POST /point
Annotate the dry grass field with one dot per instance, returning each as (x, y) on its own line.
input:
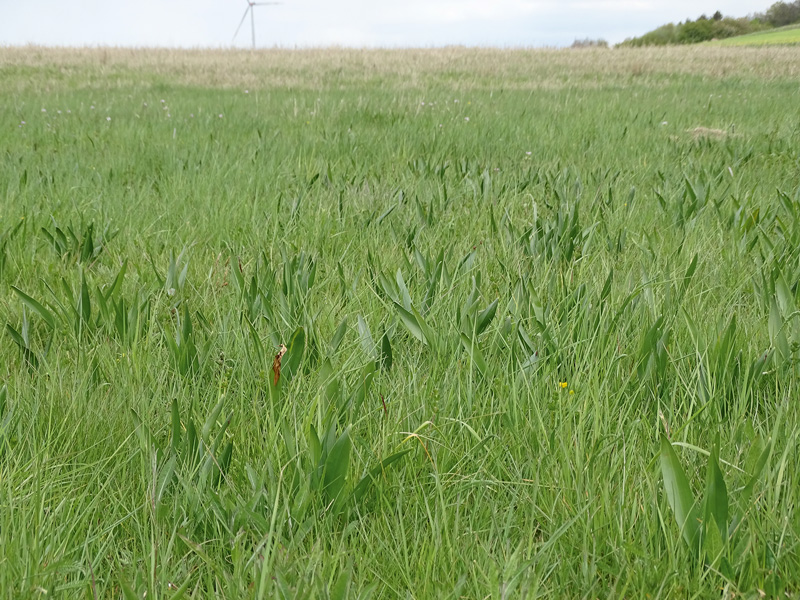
(40, 68)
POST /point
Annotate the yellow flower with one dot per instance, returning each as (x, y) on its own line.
(563, 384)
(572, 391)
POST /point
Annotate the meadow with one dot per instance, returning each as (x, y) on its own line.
(452, 323)
(788, 35)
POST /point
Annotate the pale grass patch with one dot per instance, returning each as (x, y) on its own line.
(708, 132)
(34, 67)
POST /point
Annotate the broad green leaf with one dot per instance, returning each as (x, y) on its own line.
(186, 329)
(219, 437)
(127, 590)
(16, 337)
(363, 486)
(182, 276)
(294, 354)
(784, 296)
(40, 310)
(411, 323)
(102, 307)
(607, 286)
(468, 260)
(471, 346)
(165, 478)
(52, 240)
(314, 446)
(87, 248)
(433, 284)
(694, 332)
(360, 394)
(716, 496)
(389, 288)
(422, 262)
(337, 465)
(690, 189)
(325, 374)
(528, 346)
(367, 343)
(174, 350)
(85, 303)
(775, 322)
(530, 363)
(386, 352)
(777, 335)
(338, 336)
(211, 421)
(679, 494)
(72, 303)
(223, 462)
(146, 441)
(238, 275)
(332, 394)
(176, 426)
(116, 286)
(341, 589)
(401, 286)
(255, 343)
(329, 438)
(385, 214)
(427, 332)
(485, 317)
(181, 591)
(713, 542)
(588, 238)
(191, 444)
(747, 491)
(687, 278)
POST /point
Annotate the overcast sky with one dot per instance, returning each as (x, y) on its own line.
(212, 23)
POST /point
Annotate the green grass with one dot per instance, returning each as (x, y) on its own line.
(788, 35)
(502, 280)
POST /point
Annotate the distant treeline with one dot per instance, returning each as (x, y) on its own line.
(719, 26)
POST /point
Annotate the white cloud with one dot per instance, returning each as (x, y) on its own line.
(454, 11)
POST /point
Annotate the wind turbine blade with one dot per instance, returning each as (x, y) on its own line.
(244, 16)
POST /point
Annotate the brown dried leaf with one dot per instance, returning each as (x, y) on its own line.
(276, 364)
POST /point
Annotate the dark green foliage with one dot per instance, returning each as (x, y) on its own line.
(81, 244)
(705, 524)
(783, 13)
(701, 30)
(718, 27)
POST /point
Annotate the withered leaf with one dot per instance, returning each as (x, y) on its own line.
(276, 364)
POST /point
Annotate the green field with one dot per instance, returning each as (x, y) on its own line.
(540, 310)
(788, 35)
